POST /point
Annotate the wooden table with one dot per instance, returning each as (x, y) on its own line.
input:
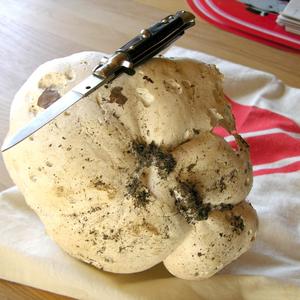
(34, 31)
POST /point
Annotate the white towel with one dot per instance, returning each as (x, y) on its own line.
(267, 114)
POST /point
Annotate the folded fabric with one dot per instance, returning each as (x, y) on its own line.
(267, 116)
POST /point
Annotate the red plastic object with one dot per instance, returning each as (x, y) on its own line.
(239, 17)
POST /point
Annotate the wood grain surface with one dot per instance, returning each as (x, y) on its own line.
(34, 31)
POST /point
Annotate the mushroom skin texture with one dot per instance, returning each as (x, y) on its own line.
(132, 174)
(214, 243)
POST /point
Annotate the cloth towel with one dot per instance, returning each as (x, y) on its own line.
(267, 115)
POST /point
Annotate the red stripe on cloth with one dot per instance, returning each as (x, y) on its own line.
(252, 118)
(201, 9)
(286, 169)
(272, 147)
(221, 131)
(265, 149)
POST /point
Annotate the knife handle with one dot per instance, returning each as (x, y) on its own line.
(159, 36)
(148, 43)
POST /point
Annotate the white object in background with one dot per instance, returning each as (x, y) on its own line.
(290, 17)
(292, 10)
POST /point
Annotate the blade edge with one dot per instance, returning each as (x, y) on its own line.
(49, 114)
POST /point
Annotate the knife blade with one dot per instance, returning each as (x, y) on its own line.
(147, 44)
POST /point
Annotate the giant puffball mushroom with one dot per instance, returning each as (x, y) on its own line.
(133, 175)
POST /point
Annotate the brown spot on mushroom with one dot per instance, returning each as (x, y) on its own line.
(48, 97)
(220, 184)
(49, 164)
(139, 192)
(139, 229)
(121, 249)
(153, 155)
(116, 96)
(237, 223)
(100, 185)
(223, 207)
(148, 79)
(151, 228)
(190, 167)
(189, 203)
(196, 131)
(60, 191)
(33, 178)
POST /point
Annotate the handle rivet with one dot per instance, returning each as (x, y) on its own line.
(145, 33)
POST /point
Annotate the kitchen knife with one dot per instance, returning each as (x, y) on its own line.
(147, 44)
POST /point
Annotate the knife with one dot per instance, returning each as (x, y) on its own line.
(147, 44)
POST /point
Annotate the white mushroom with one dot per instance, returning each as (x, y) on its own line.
(129, 174)
(214, 243)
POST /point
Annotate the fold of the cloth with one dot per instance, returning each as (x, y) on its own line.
(267, 114)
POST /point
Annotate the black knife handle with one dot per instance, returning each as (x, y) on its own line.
(148, 43)
(159, 36)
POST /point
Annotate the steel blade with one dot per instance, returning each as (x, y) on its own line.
(83, 89)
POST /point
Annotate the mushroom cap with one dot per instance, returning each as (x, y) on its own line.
(111, 178)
